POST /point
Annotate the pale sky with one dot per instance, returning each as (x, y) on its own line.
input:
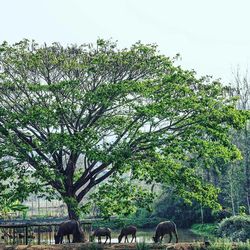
(212, 36)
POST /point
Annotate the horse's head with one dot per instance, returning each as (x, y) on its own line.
(57, 239)
(120, 238)
(155, 239)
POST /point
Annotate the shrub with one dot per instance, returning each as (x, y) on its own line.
(208, 230)
(244, 245)
(121, 222)
(225, 244)
(221, 245)
(142, 246)
(183, 214)
(236, 228)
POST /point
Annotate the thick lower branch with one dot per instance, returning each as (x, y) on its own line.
(94, 182)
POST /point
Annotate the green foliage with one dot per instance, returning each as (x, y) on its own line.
(232, 182)
(142, 246)
(170, 206)
(120, 196)
(120, 222)
(221, 245)
(224, 244)
(208, 229)
(8, 206)
(236, 228)
(14, 188)
(75, 115)
(242, 210)
(94, 246)
(85, 246)
(243, 245)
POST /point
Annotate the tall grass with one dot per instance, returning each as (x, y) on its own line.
(221, 245)
(142, 246)
(206, 230)
(244, 245)
(225, 244)
(91, 246)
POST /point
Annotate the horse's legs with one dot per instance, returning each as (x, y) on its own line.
(68, 238)
(99, 239)
(176, 236)
(126, 238)
(110, 239)
(132, 237)
(161, 238)
(170, 235)
(106, 239)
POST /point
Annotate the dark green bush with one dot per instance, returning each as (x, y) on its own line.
(208, 230)
(142, 246)
(121, 222)
(225, 244)
(184, 215)
(236, 228)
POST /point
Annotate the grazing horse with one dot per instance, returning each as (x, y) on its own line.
(67, 228)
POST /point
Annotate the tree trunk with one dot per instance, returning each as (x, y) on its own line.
(72, 213)
(70, 197)
(232, 193)
(72, 206)
(247, 168)
(202, 215)
(248, 203)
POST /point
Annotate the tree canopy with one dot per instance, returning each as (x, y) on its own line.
(72, 116)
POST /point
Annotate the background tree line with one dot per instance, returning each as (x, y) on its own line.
(232, 178)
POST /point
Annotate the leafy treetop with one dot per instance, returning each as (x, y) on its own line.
(76, 115)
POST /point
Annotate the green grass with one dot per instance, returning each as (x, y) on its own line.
(225, 244)
(92, 246)
(142, 246)
(221, 245)
(95, 246)
(207, 230)
(244, 245)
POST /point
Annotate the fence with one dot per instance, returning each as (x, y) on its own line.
(34, 232)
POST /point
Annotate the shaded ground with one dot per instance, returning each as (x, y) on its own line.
(83, 246)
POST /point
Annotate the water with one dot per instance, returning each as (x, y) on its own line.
(184, 235)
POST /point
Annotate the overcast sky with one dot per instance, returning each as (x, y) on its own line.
(212, 36)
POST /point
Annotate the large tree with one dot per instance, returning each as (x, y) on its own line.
(76, 115)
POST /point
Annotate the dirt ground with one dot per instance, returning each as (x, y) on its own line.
(115, 246)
